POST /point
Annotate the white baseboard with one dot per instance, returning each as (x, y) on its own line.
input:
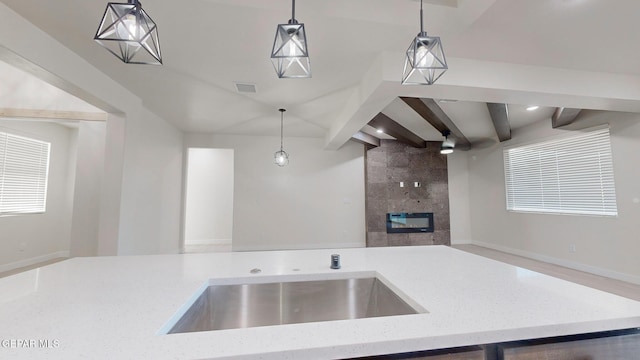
(563, 262)
(461, 242)
(208, 242)
(34, 260)
(276, 247)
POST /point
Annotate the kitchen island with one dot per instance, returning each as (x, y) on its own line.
(122, 307)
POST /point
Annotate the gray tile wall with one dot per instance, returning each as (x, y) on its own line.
(386, 167)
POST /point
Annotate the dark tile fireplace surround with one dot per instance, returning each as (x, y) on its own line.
(389, 165)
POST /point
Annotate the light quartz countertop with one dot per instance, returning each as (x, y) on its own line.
(119, 307)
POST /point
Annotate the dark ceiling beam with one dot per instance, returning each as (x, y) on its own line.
(366, 139)
(433, 114)
(564, 116)
(500, 117)
(392, 128)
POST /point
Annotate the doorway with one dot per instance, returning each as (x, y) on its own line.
(209, 200)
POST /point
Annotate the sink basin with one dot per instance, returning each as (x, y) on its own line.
(249, 305)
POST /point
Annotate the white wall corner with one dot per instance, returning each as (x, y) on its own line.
(459, 204)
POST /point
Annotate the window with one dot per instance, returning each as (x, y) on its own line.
(570, 175)
(24, 168)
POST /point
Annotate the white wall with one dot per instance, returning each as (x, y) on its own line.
(25, 239)
(209, 197)
(109, 223)
(89, 167)
(317, 201)
(151, 186)
(604, 245)
(148, 157)
(459, 215)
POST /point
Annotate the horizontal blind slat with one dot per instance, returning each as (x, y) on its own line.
(24, 168)
(573, 175)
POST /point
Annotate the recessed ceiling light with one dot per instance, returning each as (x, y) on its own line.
(533, 107)
(380, 131)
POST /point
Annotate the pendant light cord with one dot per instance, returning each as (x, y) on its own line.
(293, 13)
(281, 127)
(421, 19)
(293, 9)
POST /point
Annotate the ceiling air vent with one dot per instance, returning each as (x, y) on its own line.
(246, 88)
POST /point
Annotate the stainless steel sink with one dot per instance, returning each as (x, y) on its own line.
(249, 305)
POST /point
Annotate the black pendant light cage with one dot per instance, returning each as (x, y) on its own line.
(281, 158)
(290, 55)
(424, 61)
(129, 33)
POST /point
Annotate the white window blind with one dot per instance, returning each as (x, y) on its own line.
(572, 175)
(24, 168)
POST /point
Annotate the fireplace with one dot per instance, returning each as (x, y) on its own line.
(409, 222)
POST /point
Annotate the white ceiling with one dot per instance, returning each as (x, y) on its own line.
(208, 45)
(591, 35)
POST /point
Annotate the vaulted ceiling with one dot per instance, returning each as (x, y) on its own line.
(553, 53)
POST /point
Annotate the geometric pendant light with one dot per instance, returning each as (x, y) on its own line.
(281, 158)
(127, 31)
(290, 55)
(424, 62)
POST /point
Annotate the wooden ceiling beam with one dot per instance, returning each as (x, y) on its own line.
(564, 116)
(392, 128)
(500, 117)
(433, 114)
(52, 114)
(366, 139)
